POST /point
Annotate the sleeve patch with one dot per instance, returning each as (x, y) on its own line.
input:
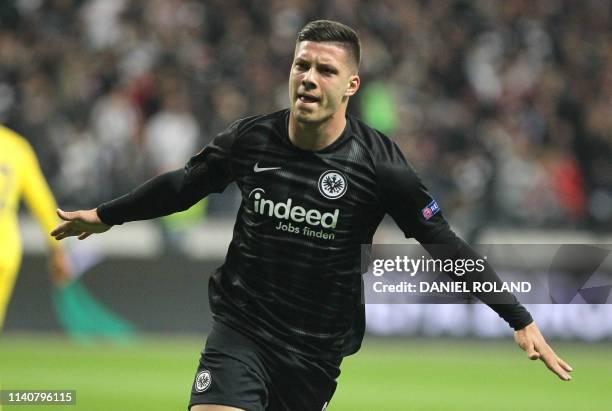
(432, 209)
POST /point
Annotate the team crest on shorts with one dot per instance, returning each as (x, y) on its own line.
(332, 184)
(203, 381)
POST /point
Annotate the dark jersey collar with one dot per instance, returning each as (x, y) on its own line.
(346, 133)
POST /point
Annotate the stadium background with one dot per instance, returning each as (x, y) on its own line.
(504, 108)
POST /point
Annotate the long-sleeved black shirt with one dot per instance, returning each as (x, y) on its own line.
(292, 275)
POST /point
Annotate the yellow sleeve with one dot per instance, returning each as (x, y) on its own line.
(37, 195)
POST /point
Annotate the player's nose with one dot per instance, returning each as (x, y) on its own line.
(308, 80)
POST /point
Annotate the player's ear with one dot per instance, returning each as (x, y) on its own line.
(353, 85)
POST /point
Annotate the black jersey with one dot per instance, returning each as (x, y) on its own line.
(292, 275)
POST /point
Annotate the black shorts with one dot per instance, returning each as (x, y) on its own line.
(238, 371)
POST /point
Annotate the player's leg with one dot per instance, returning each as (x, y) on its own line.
(230, 374)
(302, 384)
(8, 274)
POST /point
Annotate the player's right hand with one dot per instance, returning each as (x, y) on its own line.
(81, 224)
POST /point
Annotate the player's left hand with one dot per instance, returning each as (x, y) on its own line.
(531, 340)
(59, 266)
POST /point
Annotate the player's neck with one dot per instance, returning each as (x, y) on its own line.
(316, 136)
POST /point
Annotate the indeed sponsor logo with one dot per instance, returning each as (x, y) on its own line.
(287, 211)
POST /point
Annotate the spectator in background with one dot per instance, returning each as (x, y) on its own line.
(171, 137)
(116, 126)
(454, 76)
(172, 134)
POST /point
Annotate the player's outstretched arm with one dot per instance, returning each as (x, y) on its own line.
(415, 211)
(531, 340)
(81, 224)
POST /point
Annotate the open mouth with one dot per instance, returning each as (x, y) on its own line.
(307, 99)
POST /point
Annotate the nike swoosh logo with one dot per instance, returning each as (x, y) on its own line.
(258, 169)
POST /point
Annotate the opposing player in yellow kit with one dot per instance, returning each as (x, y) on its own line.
(21, 177)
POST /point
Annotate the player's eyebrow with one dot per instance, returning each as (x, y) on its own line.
(325, 66)
(328, 67)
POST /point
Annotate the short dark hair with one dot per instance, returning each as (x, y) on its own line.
(333, 32)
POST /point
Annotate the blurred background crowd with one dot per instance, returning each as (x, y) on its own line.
(503, 107)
